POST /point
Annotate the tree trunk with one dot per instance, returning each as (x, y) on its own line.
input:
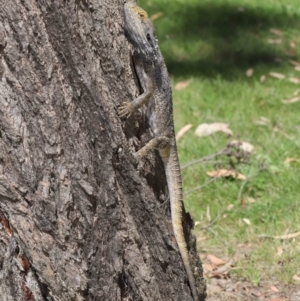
(78, 220)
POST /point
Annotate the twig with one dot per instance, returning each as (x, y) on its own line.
(206, 158)
(201, 186)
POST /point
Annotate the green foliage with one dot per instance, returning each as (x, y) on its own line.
(213, 44)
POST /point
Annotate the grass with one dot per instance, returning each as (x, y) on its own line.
(212, 44)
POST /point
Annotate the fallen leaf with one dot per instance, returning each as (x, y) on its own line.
(274, 289)
(296, 278)
(297, 68)
(182, 131)
(294, 63)
(274, 41)
(293, 44)
(242, 145)
(223, 269)
(277, 75)
(262, 121)
(225, 173)
(206, 129)
(249, 72)
(291, 100)
(208, 267)
(246, 221)
(288, 160)
(183, 84)
(156, 16)
(276, 32)
(230, 206)
(294, 80)
(250, 200)
(215, 260)
(262, 78)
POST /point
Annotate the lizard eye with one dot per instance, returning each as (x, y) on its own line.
(148, 37)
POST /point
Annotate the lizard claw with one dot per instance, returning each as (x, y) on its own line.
(125, 110)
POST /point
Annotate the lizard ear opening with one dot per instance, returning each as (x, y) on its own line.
(148, 37)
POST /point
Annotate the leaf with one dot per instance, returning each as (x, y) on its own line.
(246, 221)
(225, 173)
(277, 75)
(183, 84)
(293, 44)
(296, 278)
(279, 250)
(276, 32)
(215, 260)
(291, 100)
(274, 41)
(262, 78)
(297, 68)
(249, 72)
(183, 130)
(294, 63)
(156, 16)
(294, 80)
(288, 160)
(206, 129)
(242, 145)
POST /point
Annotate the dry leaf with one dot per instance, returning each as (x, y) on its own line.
(249, 72)
(206, 129)
(230, 206)
(156, 16)
(182, 131)
(276, 32)
(274, 289)
(288, 236)
(296, 278)
(246, 221)
(288, 160)
(277, 75)
(183, 84)
(215, 260)
(208, 267)
(291, 100)
(293, 44)
(297, 68)
(294, 80)
(242, 145)
(222, 270)
(274, 41)
(250, 200)
(262, 78)
(225, 173)
(279, 251)
(294, 63)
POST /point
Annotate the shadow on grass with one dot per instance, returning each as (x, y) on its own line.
(224, 40)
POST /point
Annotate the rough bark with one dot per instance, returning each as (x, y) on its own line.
(78, 220)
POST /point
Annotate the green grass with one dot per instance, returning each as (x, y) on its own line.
(213, 43)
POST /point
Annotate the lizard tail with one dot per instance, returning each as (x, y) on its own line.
(174, 182)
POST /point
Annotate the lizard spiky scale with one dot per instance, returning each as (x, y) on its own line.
(156, 102)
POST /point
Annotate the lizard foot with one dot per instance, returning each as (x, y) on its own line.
(125, 110)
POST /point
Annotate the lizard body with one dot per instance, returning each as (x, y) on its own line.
(156, 102)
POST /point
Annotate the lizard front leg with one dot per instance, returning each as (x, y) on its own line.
(126, 109)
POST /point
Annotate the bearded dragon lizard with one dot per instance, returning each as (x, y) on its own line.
(156, 101)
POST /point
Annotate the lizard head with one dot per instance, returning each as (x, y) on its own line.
(140, 32)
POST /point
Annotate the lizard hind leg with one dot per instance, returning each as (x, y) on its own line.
(161, 143)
